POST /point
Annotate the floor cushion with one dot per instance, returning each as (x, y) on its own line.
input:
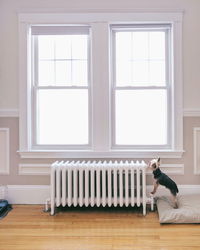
(187, 212)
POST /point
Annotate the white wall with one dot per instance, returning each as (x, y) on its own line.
(9, 38)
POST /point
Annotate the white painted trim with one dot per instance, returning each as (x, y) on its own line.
(196, 131)
(167, 29)
(9, 113)
(37, 194)
(75, 17)
(15, 112)
(172, 169)
(192, 112)
(44, 169)
(101, 140)
(93, 10)
(91, 154)
(5, 166)
(27, 194)
(34, 169)
(183, 190)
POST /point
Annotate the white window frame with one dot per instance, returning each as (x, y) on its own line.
(35, 87)
(167, 28)
(101, 104)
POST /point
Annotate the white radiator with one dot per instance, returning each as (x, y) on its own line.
(103, 183)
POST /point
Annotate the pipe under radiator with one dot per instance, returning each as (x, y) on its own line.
(103, 183)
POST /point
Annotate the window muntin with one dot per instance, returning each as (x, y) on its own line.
(141, 86)
(61, 89)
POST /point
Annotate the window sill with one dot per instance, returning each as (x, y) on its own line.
(65, 154)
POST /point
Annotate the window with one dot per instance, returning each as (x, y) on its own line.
(141, 85)
(60, 85)
(100, 85)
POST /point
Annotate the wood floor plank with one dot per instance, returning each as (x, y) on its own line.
(27, 227)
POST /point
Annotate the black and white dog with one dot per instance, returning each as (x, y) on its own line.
(164, 180)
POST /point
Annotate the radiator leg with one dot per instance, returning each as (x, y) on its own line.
(52, 191)
(152, 201)
(46, 208)
(144, 209)
(52, 207)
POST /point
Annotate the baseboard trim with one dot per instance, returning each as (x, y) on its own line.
(37, 194)
(27, 194)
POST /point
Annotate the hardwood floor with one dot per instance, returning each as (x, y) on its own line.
(27, 227)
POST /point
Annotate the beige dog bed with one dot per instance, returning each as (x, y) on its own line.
(188, 211)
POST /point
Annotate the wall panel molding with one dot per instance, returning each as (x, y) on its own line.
(171, 169)
(44, 169)
(196, 138)
(34, 169)
(4, 151)
(9, 112)
(191, 112)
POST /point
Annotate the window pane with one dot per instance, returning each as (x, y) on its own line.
(79, 72)
(140, 72)
(45, 47)
(46, 73)
(140, 45)
(123, 40)
(141, 117)
(157, 72)
(140, 58)
(62, 117)
(62, 47)
(63, 72)
(79, 46)
(157, 45)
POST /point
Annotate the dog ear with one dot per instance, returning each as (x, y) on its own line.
(158, 161)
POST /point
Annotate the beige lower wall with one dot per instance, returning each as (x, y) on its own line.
(13, 178)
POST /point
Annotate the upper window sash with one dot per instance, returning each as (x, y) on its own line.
(163, 30)
(56, 46)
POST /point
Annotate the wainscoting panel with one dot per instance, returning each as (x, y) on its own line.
(4, 151)
(197, 151)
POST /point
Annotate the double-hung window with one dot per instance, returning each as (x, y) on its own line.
(96, 85)
(142, 112)
(60, 86)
